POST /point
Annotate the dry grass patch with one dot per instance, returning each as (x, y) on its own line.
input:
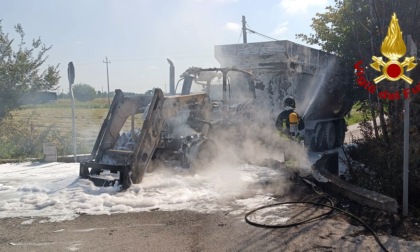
(58, 117)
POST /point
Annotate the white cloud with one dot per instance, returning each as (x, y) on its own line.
(232, 26)
(281, 28)
(301, 6)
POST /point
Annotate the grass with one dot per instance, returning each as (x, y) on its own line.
(89, 117)
(355, 115)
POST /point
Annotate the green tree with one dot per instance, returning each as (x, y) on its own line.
(63, 96)
(84, 92)
(23, 70)
(354, 30)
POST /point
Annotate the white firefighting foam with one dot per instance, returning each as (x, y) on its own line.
(55, 191)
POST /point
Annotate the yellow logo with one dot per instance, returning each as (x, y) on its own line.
(393, 47)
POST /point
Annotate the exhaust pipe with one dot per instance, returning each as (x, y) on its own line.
(171, 77)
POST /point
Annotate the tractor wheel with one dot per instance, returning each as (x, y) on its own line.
(340, 133)
(203, 153)
(83, 171)
(95, 171)
(125, 176)
(324, 137)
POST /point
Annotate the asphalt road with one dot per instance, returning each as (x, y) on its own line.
(189, 231)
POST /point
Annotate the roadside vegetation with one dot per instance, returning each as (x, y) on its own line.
(354, 30)
(355, 115)
(25, 130)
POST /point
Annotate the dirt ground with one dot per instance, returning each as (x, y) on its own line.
(220, 231)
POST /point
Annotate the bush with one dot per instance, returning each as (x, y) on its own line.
(378, 164)
(84, 92)
(20, 139)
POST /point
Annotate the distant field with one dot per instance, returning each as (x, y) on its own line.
(88, 119)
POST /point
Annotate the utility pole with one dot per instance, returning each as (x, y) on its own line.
(406, 152)
(107, 78)
(71, 76)
(412, 48)
(244, 29)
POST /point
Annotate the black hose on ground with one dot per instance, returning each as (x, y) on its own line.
(331, 206)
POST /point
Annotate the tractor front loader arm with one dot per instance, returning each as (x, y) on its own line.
(132, 164)
(159, 111)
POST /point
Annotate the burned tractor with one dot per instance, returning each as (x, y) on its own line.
(174, 131)
(229, 100)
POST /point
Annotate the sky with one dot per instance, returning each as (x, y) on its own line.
(137, 36)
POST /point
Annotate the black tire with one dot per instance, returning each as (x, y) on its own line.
(330, 135)
(83, 171)
(204, 153)
(95, 171)
(340, 129)
(324, 137)
(126, 180)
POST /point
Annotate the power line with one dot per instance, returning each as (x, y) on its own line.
(240, 35)
(252, 31)
(154, 58)
(245, 27)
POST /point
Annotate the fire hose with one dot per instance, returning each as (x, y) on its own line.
(330, 205)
